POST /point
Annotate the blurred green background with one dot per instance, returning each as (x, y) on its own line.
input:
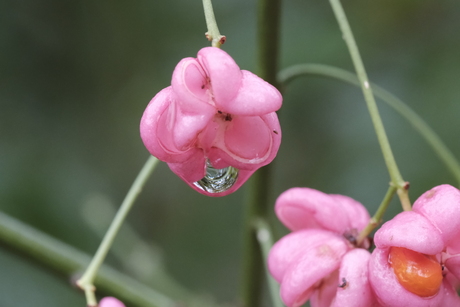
(75, 77)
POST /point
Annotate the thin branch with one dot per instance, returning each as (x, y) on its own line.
(377, 218)
(87, 280)
(265, 238)
(433, 140)
(390, 161)
(258, 200)
(70, 261)
(213, 33)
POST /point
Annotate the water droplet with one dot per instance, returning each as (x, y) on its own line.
(217, 180)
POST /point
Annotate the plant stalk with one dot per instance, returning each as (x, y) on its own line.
(377, 218)
(432, 139)
(213, 33)
(70, 261)
(258, 206)
(396, 178)
(86, 282)
(265, 239)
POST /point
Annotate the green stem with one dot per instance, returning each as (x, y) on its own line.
(444, 154)
(376, 219)
(265, 239)
(149, 266)
(213, 33)
(258, 201)
(256, 207)
(86, 282)
(68, 260)
(268, 25)
(395, 175)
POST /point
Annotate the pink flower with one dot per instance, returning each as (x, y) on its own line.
(417, 257)
(213, 115)
(110, 302)
(317, 261)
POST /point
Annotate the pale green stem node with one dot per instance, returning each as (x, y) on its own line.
(213, 34)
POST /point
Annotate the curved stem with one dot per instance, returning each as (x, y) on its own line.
(149, 266)
(375, 220)
(213, 33)
(256, 207)
(393, 169)
(86, 282)
(258, 201)
(268, 25)
(68, 261)
(444, 154)
(265, 239)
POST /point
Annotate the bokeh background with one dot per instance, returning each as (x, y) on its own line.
(75, 77)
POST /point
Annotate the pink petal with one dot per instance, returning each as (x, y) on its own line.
(302, 208)
(247, 142)
(325, 294)
(224, 74)
(191, 85)
(149, 122)
(454, 246)
(453, 265)
(356, 212)
(248, 137)
(160, 125)
(354, 273)
(311, 267)
(255, 97)
(454, 281)
(292, 246)
(410, 230)
(441, 206)
(110, 302)
(159, 145)
(387, 288)
(192, 169)
(186, 127)
(451, 298)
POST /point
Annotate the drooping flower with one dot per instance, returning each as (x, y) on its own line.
(318, 260)
(417, 257)
(110, 302)
(215, 122)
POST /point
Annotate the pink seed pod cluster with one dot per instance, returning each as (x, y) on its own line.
(429, 237)
(213, 115)
(318, 261)
(416, 261)
(110, 302)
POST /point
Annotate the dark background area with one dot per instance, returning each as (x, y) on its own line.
(75, 77)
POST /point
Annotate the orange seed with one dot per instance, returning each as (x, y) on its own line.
(418, 273)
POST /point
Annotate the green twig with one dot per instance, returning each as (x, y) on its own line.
(265, 239)
(142, 259)
(438, 146)
(213, 33)
(377, 218)
(86, 282)
(258, 201)
(256, 206)
(68, 260)
(396, 178)
(268, 25)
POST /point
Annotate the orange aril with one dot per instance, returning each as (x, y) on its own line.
(418, 273)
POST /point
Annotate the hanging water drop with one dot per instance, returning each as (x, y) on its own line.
(217, 180)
